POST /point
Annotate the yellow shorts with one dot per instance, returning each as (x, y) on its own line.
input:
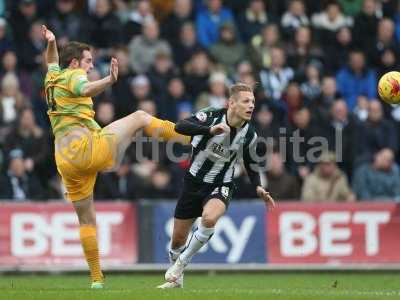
(80, 154)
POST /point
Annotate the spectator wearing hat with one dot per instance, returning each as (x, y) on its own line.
(139, 90)
(228, 51)
(17, 183)
(216, 96)
(327, 183)
(209, 20)
(253, 19)
(143, 48)
(379, 180)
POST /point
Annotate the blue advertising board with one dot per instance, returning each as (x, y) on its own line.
(239, 235)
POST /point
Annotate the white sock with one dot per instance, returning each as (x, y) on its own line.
(174, 253)
(199, 238)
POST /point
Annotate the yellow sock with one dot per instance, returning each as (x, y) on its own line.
(91, 250)
(166, 130)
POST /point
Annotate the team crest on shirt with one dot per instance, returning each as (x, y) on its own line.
(225, 191)
(81, 78)
(201, 116)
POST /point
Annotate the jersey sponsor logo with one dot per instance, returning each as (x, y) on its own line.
(215, 191)
(201, 116)
(220, 150)
(231, 240)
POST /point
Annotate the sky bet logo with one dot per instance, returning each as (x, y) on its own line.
(228, 239)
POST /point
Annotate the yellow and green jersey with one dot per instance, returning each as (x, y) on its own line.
(67, 108)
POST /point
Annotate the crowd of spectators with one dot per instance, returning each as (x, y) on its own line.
(314, 66)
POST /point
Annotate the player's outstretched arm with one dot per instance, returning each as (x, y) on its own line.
(192, 127)
(94, 88)
(51, 52)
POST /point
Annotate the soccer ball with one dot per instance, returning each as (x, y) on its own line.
(389, 87)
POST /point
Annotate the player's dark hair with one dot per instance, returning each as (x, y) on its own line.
(70, 51)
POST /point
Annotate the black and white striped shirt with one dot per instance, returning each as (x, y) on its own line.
(214, 156)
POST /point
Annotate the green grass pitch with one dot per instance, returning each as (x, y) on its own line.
(293, 286)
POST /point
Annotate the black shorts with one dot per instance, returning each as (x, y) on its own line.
(196, 194)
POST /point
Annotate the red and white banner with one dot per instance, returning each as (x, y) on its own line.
(334, 233)
(48, 234)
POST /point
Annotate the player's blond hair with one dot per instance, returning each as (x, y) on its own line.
(236, 88)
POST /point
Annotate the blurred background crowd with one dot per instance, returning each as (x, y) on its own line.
(314, 66)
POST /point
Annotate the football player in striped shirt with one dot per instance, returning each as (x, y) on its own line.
(220, 138)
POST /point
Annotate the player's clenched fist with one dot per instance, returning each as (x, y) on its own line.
(219, 129)
(47, 34)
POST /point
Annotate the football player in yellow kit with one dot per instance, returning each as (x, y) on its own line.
(82, 147)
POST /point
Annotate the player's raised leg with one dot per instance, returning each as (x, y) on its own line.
(126, 128)
(87, 231)
(212, 211)
(180, 234)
